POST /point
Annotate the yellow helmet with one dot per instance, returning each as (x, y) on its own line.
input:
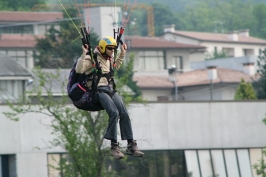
(106, 41)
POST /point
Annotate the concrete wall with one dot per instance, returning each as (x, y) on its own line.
(181, 125)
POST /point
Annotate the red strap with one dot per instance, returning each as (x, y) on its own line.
(81, 88)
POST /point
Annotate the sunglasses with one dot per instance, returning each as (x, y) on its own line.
(110, 48)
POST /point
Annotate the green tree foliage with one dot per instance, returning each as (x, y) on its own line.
(245, 91)
(260, 84)
(216, 55)
(260, 167)
(59, 49)
(259, 12)
(128, 70)
(205, 15)
(19, 5)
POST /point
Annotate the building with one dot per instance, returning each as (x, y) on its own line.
(19, 30)
(197, 85)
(236, 43)
(155, 55)
(14, 79)
(222, 138)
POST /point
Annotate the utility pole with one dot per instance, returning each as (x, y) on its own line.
(173, 72)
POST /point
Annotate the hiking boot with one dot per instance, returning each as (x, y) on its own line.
(115, 151)
(132, 149)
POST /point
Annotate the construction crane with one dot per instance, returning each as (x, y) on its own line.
(56, 7)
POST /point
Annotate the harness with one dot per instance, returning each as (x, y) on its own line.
(97, 75)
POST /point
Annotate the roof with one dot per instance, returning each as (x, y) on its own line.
(155, 42)
(218, 37)
(9, 67)
(18, 16)
(18, 40)
(192, 78)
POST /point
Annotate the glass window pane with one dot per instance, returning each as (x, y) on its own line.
(12, 53)
(205, 163)
(21, 53)
(192, 163)
(0, 166)
(218, 163)
(231, 163)
(53, 165)
(255, 156)
(244, 163)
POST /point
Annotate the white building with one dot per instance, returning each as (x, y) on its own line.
(235, 44)
(198, 138)
(18, 31)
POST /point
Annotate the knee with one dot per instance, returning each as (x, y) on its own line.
(124, 115)
(114, 113)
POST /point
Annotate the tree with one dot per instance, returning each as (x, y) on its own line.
(215, 55)
(245, 91)
(259, 12)
(260, 84)
(59, 49)
(20, 5)
(128, 70)
(260, 167)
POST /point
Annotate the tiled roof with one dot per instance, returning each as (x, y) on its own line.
(18, 40)
(155, 42)
(18, 16)
(9, 67)
(204, 36)
(192, 78)
(161, 82)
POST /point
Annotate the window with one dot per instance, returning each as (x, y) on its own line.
(151, 60)
(244, 163)
(230, 52)
(21, 56)
(231, 163)
(205, 163)
(16, 29)
(54, 166)
(177, 61)
(218, 163)
(248, 52)
(8, 166)
(180, 163)
(167, 163)
(192, 163)
(162, 98)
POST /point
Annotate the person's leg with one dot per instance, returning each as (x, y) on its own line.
(111, 132)
(126, 128)
(124, 121)
(110, 108)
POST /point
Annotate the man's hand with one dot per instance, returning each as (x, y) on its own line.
(124, 47)
(85, 49)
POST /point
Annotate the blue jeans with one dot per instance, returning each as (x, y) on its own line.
(115, 109)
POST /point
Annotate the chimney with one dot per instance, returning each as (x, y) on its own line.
(244, 32)
(212, 72)
(169, 28)
(233, 35)
(249, 68)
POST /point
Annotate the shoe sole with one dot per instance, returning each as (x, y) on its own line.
(134, 155)
(117, 157)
